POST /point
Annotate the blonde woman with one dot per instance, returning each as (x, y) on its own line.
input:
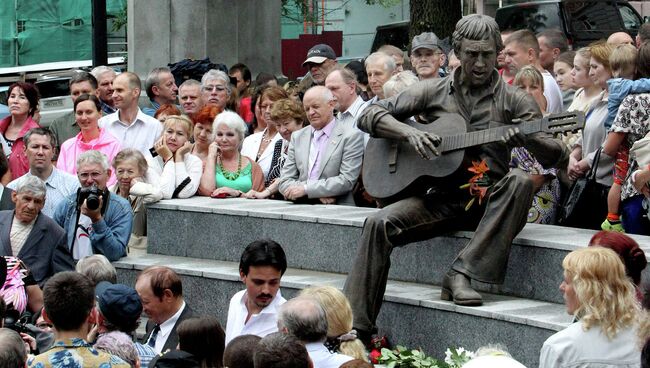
(179, 170)
(602, 299)
(340, 336)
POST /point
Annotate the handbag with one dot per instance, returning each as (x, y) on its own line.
(578, 208)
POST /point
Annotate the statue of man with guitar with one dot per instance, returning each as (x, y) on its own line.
(417, 171)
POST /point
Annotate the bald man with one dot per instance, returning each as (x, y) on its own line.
(620, 38)
(324, 159)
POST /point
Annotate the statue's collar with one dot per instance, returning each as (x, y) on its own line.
(458, 80)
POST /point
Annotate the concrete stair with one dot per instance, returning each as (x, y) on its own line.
(321, 241)
(413, 314)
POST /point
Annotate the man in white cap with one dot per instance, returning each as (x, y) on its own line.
(426, 55)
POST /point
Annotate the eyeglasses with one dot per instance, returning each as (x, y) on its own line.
(218, 88)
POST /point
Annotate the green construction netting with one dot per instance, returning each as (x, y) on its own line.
(41, 31)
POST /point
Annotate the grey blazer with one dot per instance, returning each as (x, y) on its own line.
(45, 251)
(339, 167)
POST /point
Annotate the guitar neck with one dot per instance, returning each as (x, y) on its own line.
(477, 138)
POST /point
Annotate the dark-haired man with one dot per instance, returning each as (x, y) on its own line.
(40, 148)
(69, 301)
(240, 351)
(161, 293)
(66, 126)
(254, 310)
(281, 351)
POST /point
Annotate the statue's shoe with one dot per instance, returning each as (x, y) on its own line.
(456, 287)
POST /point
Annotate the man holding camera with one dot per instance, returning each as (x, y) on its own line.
(96, 220)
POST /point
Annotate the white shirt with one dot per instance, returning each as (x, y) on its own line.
(349, 117)
(322, 358)
(261, 324)
(141, 134)
(553, 94)
(573, 347)
(172, 174)
(166, 328)
(251, 146)
(58, 186)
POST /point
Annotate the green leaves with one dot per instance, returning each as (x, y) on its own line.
(403, 357)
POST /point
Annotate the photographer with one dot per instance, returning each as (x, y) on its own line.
(96, 220)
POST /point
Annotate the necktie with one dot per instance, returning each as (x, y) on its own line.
(314, 152)
(154, 335)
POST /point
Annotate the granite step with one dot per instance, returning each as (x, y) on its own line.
(413, 314)
(325, 237)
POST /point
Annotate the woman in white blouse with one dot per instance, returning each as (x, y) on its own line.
(179, 170)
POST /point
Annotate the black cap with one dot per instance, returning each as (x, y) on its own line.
(319, 53)
(118, 303)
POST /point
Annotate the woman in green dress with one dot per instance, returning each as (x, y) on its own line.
(227, 172)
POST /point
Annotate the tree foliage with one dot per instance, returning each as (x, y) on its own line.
(437, 16)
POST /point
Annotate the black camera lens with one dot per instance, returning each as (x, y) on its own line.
(92, 202)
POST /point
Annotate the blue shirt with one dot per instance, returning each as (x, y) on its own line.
(59, 185)
(618, 89)
(110, 235)
(146, 354)
(75, 353)
(151, 111)
(106, 108)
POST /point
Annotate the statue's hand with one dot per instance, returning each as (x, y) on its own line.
(423, 142)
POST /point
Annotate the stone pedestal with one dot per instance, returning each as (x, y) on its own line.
(165, 31)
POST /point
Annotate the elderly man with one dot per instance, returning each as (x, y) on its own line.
(254, 310)
(65, 127)
(620, 38)
(305, 319)
(40, 144)
(31, 236)
(478, 98)
(343, 84)
(379, 67)
(12, 349)
(189, 95)
(521, 49)
(161, 89)
(324, 159)
(161, 292)
(552, 43)
(216, 88)
(427, 56)
(105, 77)
(321, 59)
(131, 127)
(104, 229)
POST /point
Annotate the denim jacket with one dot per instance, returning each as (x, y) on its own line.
(618, 89)
(110, 234)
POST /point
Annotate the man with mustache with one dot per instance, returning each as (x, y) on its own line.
(254, 310)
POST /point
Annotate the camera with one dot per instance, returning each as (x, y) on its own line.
(91, 195)
(21, 324)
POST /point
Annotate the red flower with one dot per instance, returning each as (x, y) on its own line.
(374, 356)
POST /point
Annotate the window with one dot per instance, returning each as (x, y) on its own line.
(631, 20)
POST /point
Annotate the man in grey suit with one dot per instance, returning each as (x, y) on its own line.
(324, 159)
(31, 236)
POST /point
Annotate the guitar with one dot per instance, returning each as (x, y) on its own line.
(390, 166)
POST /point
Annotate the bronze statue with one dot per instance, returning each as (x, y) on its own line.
(496, 208)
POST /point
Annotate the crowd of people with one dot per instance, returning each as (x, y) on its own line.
(75, 193)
